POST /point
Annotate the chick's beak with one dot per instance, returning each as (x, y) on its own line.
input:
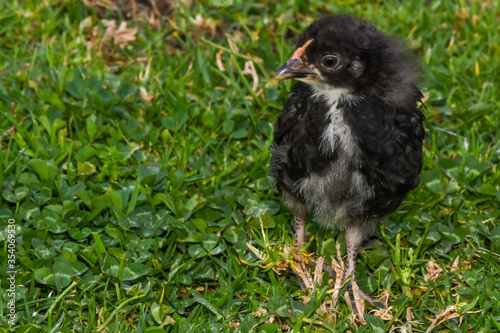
(296, 67)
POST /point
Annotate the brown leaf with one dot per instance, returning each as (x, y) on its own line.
(260, 313)
(318, 270)
(206, 24)
(384, 314)
(356, 318)
(448, 313)
(409, 317)
(384, 298)
(459, 266)
(299, 266)
(121, 36)
(434, 271)
(358, 300)
(338, 267)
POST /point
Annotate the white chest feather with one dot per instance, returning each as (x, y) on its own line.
(338, 191)
(337, 134)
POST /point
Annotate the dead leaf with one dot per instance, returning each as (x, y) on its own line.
(101, 3)
(250, 70)
(218, 61)
(384, 314)
(409, 317)
(299, 265)
(434, 271)
(147, 97)
(448, 313)
(233, 40)
(285, 327)
(338, 267)
(358, 300)
(323, 307)
(144, 76)
(206, 24)
(356, 318)
(33, 84)
(384, 298)
(459, 266)
(260, 313)
(318, 270)
(121, 36)
(94, 38)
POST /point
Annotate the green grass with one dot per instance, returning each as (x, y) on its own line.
(161, 218)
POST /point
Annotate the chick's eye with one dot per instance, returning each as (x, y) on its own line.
(330, 61)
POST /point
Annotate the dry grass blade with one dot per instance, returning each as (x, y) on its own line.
(206, 24)
(405, 328)
(318, 270)
(384, 298)
(100, 3)
(425, 98)
(144, 76)
(384, 314)
(448, 313)
(260, 254)
(250, 70)
(459, 265)
(358, 300)
(232, 42)
(338, 267)
(356, 317)
(299, 266)
(137, 9)
(218, 60)
(148, 97)
(409, 317)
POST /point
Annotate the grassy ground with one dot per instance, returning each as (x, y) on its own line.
(136, 170)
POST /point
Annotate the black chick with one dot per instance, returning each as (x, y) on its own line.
(348, 144)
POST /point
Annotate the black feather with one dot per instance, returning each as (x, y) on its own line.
(382, 118)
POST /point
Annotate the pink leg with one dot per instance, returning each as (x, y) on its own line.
(353, 240)
(352, 253)
(300, 229)
(303, 268)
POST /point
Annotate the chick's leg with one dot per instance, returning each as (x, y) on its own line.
(301, 264)
(354, 238)
(300, 229)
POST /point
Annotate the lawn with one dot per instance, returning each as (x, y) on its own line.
(135, 168)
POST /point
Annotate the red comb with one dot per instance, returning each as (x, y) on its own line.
(298, 52)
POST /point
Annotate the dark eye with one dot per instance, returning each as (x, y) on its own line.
(330, 61)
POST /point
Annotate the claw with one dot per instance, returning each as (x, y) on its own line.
(341, 273)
